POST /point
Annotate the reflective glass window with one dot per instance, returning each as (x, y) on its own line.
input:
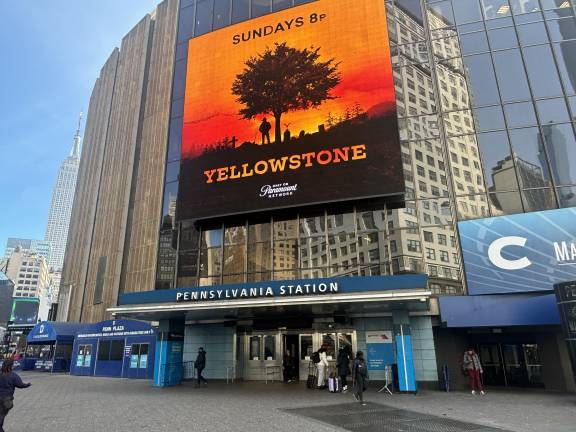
(561, 148)
(567, 64)
(259, 232)
(260, 7)
(240, 10)
(502, 38)
(473, 43)
(530, 158)
(269, 348)
(189, 236)
(172, 171)
(281, 4)
(538, 199)
(524, 6)
(502, 203)
(204, 13)
(567, 196)
(542, 71)
(186, 24)
(221, 13)
(495, 8)
(562, 29)
(170, 197)
(489, 118)
(482, 79)
(552, 111)
(511, 75)
(234, 259)
(555, 4)
(572, 104)
(210, 262)
(313, 252)
(312, 225)
(529, 17)
(532, 34)
(466, 11)
(174, 139)
(498, 23)
(497, 162)
(259, 257)
(285, 229)
(255, 342)
(235, 234)
(285, 255)
(443, 10)
(520, 114)
(341, 222)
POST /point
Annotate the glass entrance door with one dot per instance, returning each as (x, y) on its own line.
(511, 365)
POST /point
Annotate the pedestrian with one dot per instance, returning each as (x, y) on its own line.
(8, 382)
(322, 365)
(360, 374)
(473, 368)
(343, 365)
(200, 364)
(264, 129)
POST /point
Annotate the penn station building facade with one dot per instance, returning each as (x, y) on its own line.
(263, 178)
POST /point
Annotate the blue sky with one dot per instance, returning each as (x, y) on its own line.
(51, 53)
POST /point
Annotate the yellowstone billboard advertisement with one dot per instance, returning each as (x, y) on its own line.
(290, 109)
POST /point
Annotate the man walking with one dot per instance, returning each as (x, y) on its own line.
(200, 364)
(471, 364)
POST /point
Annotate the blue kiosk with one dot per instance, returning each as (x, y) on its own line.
(115, 348)
(50, 346)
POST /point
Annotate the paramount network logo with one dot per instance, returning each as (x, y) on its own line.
(565, 253)
(278, 190)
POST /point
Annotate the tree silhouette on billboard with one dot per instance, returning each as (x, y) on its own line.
(284, 79)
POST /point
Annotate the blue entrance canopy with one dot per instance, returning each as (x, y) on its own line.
(47, 332)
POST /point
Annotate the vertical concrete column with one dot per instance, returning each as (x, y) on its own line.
(168, 365)
(404, 354)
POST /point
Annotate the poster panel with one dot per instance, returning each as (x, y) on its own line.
(290, 109)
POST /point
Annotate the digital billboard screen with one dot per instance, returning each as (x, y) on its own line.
(519, 253)
(290, 109)
(25, 310)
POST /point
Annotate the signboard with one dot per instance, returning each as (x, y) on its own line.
(275, 289)
(519, 253)
(25, 310)
(379, 345)
(283, 110)
(116, 328)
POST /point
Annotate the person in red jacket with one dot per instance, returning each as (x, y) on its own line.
(9, 381)
(471, 364)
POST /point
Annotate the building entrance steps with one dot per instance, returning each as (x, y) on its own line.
(61, 403)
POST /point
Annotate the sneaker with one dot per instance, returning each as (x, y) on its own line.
(345, 388)
(482, 392)
(473, 392)
(363, 403)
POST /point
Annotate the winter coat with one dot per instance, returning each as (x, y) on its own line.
(343, 363)
(323, 360)
(200, 362)
(471, 362)
(360, 374)
(8, 382)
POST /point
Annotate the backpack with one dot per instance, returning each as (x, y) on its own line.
(315, 357)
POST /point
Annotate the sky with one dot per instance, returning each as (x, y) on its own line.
(51, 53)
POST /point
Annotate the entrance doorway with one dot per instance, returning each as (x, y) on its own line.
(263, 355)
(511, 365)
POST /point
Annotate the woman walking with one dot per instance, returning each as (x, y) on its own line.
(8, 382)
(360, 374)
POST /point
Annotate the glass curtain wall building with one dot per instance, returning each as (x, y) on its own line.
(485, 92)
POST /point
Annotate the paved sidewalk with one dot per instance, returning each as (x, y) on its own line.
(61, 403)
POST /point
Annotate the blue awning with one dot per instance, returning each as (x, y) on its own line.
(47, 332)
(501, 310)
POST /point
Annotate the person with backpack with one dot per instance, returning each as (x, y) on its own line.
(321, 365)
(360, 374)
(343, 365)
(9, 381)
(200, 364)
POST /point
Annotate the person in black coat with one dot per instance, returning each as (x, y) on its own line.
(9, 381)
(200, 364)
(360, 374)
(343, 365)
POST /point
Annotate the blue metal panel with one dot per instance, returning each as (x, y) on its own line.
(519, 253)
(345, 285)
(404, 359)
(47, 332)
(499, 310)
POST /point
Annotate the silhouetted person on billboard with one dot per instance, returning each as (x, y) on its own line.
(265, 130)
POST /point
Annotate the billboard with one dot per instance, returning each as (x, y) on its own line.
(519, 253)
(25, 310)
(289, 109)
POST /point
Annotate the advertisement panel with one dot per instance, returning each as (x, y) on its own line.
(380, 347)
(519, 253)
(289, 109)
(25, 310)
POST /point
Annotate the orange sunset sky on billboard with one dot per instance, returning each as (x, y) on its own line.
(211, 111)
